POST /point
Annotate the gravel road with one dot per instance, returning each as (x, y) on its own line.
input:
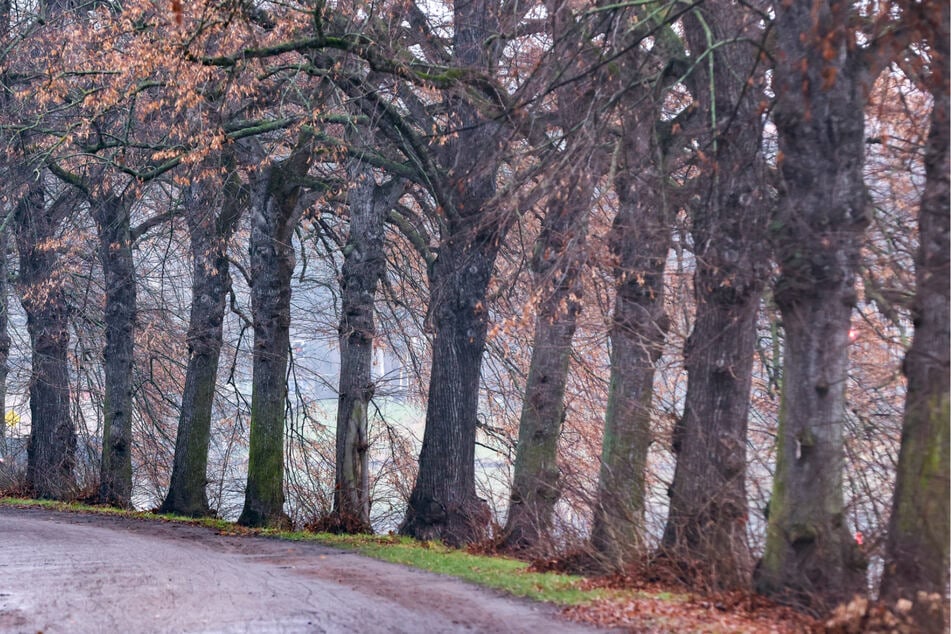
(64, 572)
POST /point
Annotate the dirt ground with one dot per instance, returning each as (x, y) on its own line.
(63, 572)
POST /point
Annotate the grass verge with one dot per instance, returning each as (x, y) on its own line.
(647, 608)
(500, 573)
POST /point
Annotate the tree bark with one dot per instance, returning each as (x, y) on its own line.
(640, 241)
(556, 265)
(209, 234)
(916, 555)
(5, 230)
(363, 267)
(274, 215)
(811, 559)
(557, 262)
(705, 535)
(443, 504)
(52, 445)
(111, 214)
(4, 332)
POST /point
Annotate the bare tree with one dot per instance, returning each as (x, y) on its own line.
(52, 447)
(706, 527)
(275, 193)
(443, 503)
(557, 263)
(920, 527)
(363, 267)
(212, 216)
(640, 239)
(821, 82)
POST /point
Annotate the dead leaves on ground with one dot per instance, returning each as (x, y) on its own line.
(657, 609)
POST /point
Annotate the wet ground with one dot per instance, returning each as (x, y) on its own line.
(64, 572)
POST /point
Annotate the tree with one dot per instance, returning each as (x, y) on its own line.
(919, 533)
(557, 262)
(5, 253)
(705, 534)
(41, 286)
(4, 331)
(209, 234)
(37, 219)
(363, 267)
(111, 212)
(821, 82)
(275, 192)
(640, 240)
(443, 503)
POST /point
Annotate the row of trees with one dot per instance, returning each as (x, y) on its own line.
(478, 137)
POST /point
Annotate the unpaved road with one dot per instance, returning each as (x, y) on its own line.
(63, 572)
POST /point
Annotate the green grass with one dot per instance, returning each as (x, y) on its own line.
(76, 507)
(500, 573)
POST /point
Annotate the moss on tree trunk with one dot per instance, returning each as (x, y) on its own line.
(274, 215)
(209, 234)
(917, 550)
(811, 559)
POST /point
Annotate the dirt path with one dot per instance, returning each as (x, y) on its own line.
(63, 572)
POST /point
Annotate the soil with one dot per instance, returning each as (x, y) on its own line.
(65, 572)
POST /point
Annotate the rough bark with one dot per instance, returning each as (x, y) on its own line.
(705, 535)
(811, 559)
(640, 241)
(916, 555)
(556, 266)
(557, 262)
(111, 214)
(6, 228)
(443, 504)
(209, 234)
(274, 215)
(52, 445)
(4, 331)
(363, 267)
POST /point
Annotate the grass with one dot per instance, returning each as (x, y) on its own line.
(500, 573)
(77, 507)
(658, 609)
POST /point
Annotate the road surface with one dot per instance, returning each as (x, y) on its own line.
(75, 573)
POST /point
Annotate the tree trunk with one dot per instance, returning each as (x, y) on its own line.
(443, 504)
(556, 265)
(275, 192)
(52, 445)
(705, 534)
(5, 229)
(916, 553)
(640, 241)
(209, 235)
(363, 267)
(115, 253)
(811, 559)
(4, 332)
